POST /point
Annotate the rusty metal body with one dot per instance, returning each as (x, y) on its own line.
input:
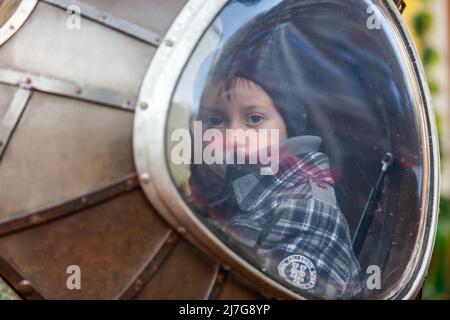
(69, 194)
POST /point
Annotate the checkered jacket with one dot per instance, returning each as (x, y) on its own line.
(290, 225)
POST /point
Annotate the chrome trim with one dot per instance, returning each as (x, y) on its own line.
(149, 130)
(12, 117)
(113, 22)
(16, 21)
(66, 89)
(430, 138)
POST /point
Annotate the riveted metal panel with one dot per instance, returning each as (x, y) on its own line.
(186, 274)
(61, 149)
(109, 242)
(92, 56)
(156, 15)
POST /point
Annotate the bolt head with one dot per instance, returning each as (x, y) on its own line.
(145, 178)
(25, 287)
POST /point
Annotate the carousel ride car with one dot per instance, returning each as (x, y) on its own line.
(121, 130)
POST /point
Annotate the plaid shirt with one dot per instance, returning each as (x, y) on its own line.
(291, 226)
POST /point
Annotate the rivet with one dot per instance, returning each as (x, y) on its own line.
(28, 81)
(12, 27)
(129, 184)
(169, 43)
(143, 105)
(138, 284)
(181, 229)
(25, 287)
(35, 219)
(79, 91)
(83, 200)
(145, 178)
(221, 278)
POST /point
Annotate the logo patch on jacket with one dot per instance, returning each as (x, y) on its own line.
(299, 271)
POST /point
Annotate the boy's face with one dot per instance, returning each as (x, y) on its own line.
(246, 106)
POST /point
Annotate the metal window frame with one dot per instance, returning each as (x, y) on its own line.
(149, 145)
(17, 20)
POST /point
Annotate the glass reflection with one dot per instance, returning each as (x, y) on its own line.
(300, 132)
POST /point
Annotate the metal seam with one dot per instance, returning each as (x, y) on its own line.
(66, 208)
(24, 288)
(217, 284)
(66, 89)
(12, 117)
(140, 33)
(166, 246)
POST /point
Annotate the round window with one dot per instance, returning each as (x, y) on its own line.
(299, 144)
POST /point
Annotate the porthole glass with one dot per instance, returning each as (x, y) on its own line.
(298, 134)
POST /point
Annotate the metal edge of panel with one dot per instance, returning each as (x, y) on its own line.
(150, 267)
(12, 117)
(148, 36)
(66, 88)
(24, 221)
(23, 287)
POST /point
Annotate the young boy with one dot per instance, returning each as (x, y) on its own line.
(288, 223)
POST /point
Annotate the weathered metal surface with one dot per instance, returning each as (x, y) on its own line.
(165, 248)
(196, 272)
(65, 148)
(94, 56)
(25, 288)
(110, 242)
(69, 207)
(69, 193)
(12, 116)
(109, 20)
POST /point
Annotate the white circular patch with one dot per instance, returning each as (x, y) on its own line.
(299, 271)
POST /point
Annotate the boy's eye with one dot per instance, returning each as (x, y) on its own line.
(213, 121)
(255, 119)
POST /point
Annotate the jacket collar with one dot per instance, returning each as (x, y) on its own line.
(248, 183)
